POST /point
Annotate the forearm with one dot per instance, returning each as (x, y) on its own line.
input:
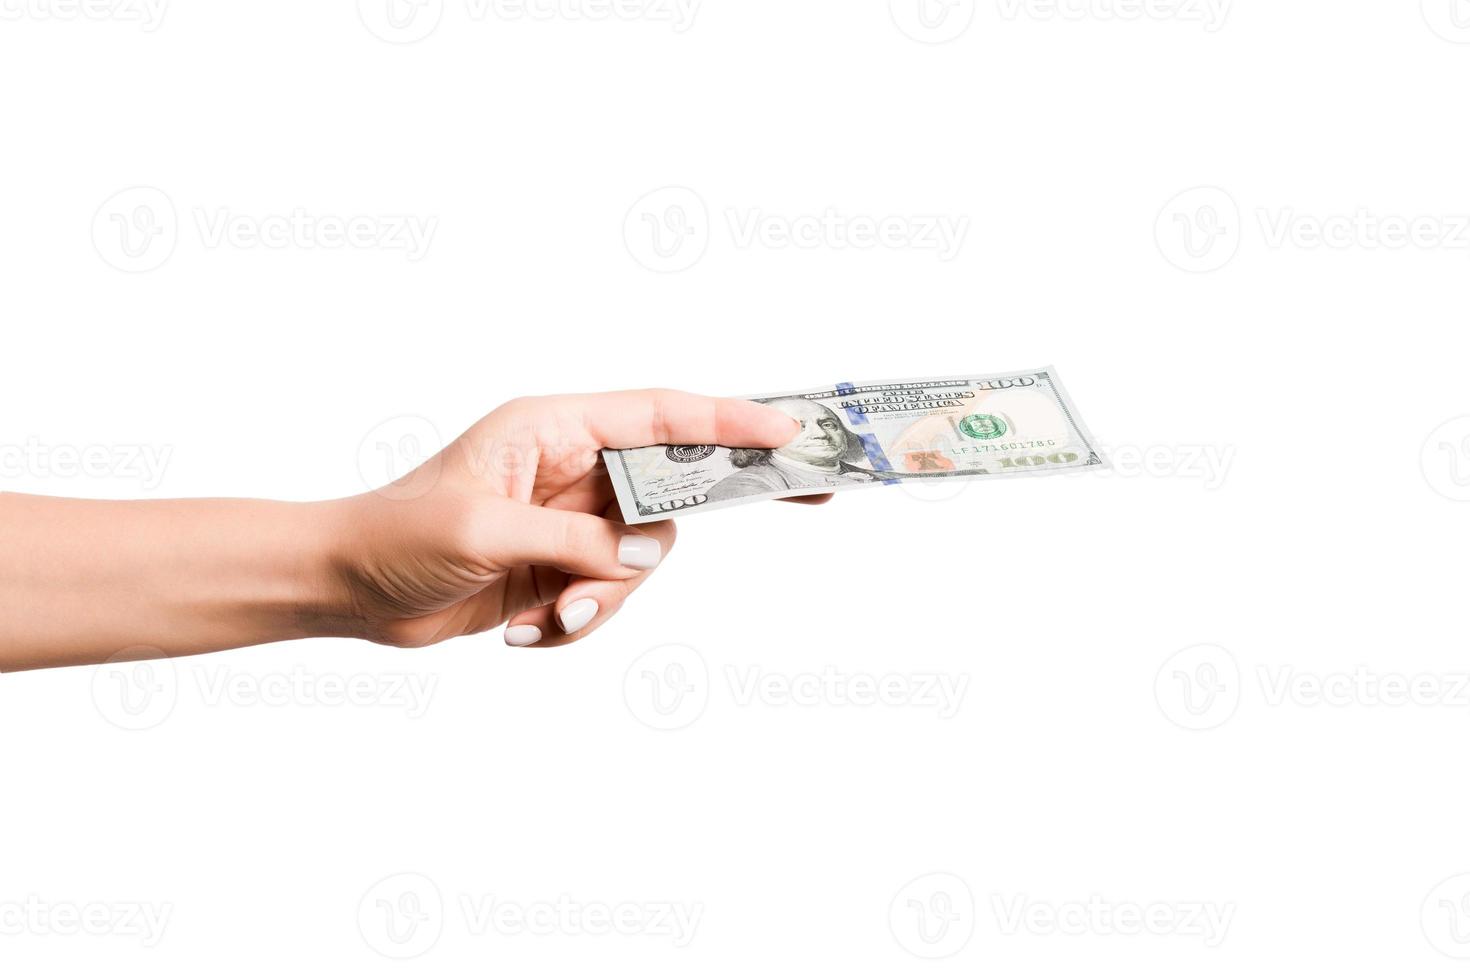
(83, 580)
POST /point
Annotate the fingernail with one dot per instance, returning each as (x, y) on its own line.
(639, 551)
(577, 615)
(521, 636)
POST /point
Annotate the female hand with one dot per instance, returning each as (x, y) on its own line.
(515, 521)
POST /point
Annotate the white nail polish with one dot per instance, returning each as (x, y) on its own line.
(639, 551)
(521, 636)
(578, 614)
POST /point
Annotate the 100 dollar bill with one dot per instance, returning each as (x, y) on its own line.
(868, 435)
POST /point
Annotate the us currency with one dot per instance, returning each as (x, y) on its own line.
(874, 434)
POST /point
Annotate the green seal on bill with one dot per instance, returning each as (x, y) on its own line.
(982, 427)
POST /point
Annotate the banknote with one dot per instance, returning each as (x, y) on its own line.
(870, 434)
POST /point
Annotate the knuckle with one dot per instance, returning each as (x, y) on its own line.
(659, 402)
(577, 538)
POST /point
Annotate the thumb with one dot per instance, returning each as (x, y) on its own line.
(577, 543)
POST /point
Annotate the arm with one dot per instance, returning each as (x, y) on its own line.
(82, 580)
(514, 522)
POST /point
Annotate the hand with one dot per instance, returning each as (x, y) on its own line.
(515, 521)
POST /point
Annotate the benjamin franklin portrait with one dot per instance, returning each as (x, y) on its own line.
(823, 454)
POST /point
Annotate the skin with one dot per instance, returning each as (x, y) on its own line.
(511, 523)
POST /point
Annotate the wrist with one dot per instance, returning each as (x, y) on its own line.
(319, 568)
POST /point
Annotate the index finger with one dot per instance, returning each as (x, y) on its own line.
(657, 416)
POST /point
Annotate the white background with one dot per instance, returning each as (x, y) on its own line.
(1286, 508)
